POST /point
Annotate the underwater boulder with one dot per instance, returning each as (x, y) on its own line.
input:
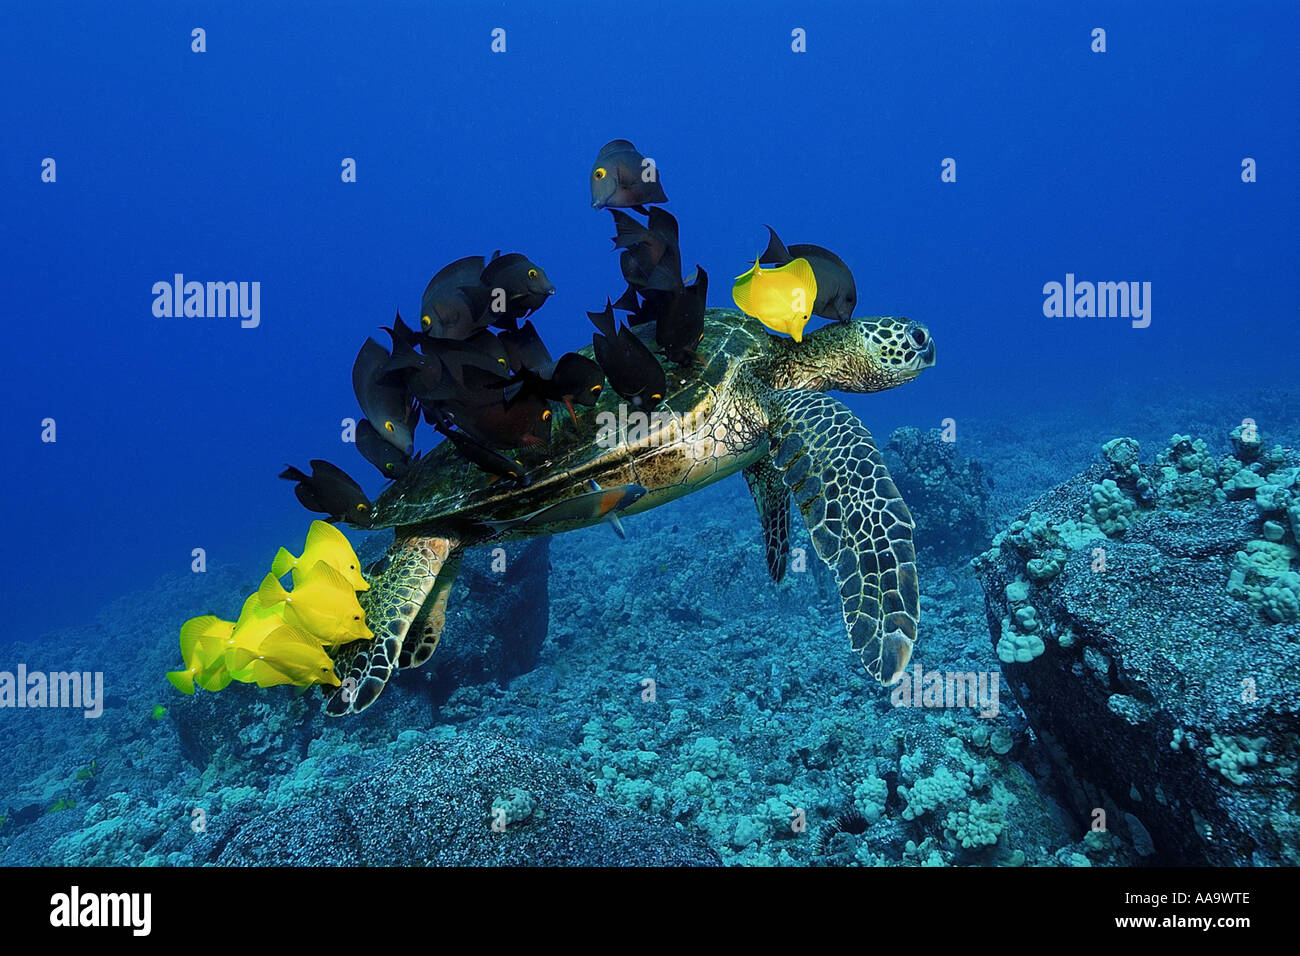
(947, 494)
(476, 800)
(500, 615)
(1165, 699)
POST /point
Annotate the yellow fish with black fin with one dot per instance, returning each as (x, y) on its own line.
(203, 643)
(322, 602)
(780, 298)
(288, 655)
(324, 543)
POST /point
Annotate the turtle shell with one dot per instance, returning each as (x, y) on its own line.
(443, 488)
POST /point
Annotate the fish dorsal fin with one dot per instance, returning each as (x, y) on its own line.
(322, 534)
(776, 252)
(271, 592)
(322, 572)
(289, 637)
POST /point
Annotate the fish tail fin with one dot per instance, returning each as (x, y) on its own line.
(283, 563)
(291, 473)
(271, 592)
(627, 302)
(776, 252)
(604, 321)
(183, 681)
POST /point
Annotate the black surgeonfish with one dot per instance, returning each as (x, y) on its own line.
(391, 462)
(574, 379)
(524, 288)
(446, 309)
(387, 406)
(494, 463)
(678, 317)
(652, 257)
(525, 349)
(632, 369)
(489, 416)
(621, 176)
(837, 296)
(328, 490)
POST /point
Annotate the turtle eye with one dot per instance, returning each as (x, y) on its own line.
(599, 173)
(916, 337)
(532, 273)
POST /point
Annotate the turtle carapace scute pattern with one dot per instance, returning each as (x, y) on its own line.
(751, 403)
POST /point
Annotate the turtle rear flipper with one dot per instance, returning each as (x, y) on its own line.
(858, 522)
(394, 601)
(773, 500)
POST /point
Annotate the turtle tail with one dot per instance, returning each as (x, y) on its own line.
(414, 587)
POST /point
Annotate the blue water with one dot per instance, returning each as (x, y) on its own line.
(225, 165)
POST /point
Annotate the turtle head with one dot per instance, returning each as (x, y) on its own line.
(861, 355)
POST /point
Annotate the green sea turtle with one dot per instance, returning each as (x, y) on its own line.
(753, 403)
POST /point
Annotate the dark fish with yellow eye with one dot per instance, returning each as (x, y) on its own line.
(632, 369)
(486, 415)
(525, 348)
(598, 503)
(515, 287)
(330, 491)
(494, 463)
(452, 306)
(622, 177)
(391, 462)
(387, 406)
(574, 379)
(837, 295)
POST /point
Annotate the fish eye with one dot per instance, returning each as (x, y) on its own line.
(916, 337)
(599, 173)
(501, 361)
(426, 321)
(532, 273)
(388, 466)
(361, 507)
(546, 415)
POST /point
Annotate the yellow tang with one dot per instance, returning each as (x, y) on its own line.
(203, 641)
(780, 298)
(288, 655)
(324, 543)
(322, 602)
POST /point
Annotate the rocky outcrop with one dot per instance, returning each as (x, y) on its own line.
(1150, 651)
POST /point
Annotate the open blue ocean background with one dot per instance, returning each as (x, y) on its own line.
(225, 166)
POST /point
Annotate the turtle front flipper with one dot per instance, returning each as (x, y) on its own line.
(392, 604)
(773, 500)
(425, 633)
(857, 519)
